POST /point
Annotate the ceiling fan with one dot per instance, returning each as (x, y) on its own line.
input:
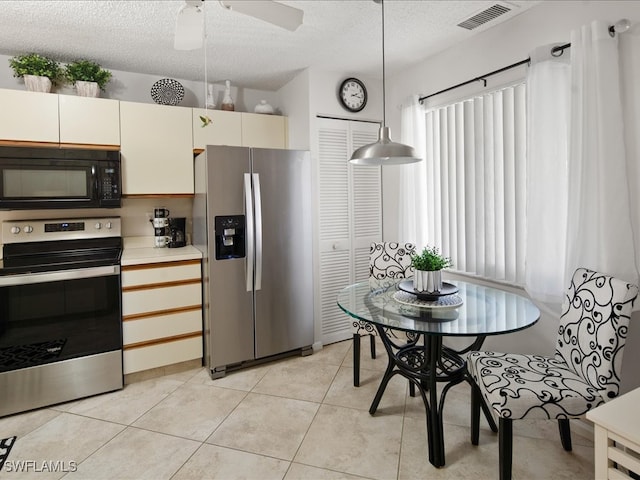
(190, 21)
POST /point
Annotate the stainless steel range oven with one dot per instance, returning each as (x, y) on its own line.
(60, 311)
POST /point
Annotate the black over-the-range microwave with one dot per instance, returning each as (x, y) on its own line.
(43, 178)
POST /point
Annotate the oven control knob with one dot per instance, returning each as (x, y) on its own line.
(108, 225)
(15, 230)
(28, 229)
(98, 226)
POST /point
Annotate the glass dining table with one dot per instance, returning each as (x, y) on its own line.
(470, 310)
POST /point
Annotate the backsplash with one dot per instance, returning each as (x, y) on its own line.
(134, 214)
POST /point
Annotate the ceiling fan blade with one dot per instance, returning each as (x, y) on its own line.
(189, 28)
(272, 12)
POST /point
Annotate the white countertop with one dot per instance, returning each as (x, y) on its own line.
(140, 250)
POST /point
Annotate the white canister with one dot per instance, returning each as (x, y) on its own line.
(263, 107)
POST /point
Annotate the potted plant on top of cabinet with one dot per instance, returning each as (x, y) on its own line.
(87, 76)
(39, 72)
(428, 265)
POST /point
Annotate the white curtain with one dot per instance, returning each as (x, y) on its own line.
(578, 208)
(548, 98)
(413, 194)
(599, 234)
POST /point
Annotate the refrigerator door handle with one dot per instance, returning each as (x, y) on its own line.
(248, 207)
(258, 213)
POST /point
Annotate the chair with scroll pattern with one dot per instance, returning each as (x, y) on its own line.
(584, 373)
(387, 260)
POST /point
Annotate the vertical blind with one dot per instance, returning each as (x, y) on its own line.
(476, 183)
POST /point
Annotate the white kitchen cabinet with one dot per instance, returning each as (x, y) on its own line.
(156, 149)
(349, 215)
(225, 128)
(161, 314)
(28, 117)
(89, 121)
(264, 131)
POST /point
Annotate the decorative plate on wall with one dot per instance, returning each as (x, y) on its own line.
(167, 92)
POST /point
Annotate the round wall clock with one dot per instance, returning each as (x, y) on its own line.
(353, 94)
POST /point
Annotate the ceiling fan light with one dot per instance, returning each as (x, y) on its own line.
(384, 152)
(276, 13)
(189, 28)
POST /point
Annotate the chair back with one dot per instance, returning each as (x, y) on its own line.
(593, 328)
(391, 260)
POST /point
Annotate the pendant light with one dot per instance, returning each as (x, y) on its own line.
(385, 151)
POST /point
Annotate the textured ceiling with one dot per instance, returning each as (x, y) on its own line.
(137, 36)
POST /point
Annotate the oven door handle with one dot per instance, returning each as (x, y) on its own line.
(59, 276)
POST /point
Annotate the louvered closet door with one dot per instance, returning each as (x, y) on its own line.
(366, 201)
(349, 217)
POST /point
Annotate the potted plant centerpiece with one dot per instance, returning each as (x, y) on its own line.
(428, 266)
(87, 76)
(38, 71)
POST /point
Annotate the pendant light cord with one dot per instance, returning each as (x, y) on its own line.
(384, 106)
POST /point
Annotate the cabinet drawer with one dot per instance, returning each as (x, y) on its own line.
(149, 274)
(161, 299)
(147, 329)
(162, 354)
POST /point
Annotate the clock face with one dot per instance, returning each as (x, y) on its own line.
(353, 95)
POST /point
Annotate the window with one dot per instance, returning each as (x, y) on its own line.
(476, 183)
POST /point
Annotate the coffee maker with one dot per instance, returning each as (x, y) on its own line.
(176, 231)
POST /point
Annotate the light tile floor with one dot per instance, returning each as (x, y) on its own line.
(297, 418)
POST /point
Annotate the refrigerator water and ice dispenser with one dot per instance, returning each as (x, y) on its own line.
(230, 236)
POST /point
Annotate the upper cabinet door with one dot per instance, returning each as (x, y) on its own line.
(29, 116)
(156, 149)
(225, 128)
(264, 131)
(89, 121)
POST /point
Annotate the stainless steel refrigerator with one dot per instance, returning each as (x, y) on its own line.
(252, 223)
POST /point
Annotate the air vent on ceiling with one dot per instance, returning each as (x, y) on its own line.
(484, 16)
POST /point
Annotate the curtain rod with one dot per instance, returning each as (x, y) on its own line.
(483, 78)
(619, 27)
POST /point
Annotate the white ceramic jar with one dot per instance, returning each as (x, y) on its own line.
(263, 107)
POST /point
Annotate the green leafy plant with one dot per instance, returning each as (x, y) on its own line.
(430, 260)
(87, 71)
(36, 64)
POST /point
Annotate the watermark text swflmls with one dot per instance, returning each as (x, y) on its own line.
(22, 466)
